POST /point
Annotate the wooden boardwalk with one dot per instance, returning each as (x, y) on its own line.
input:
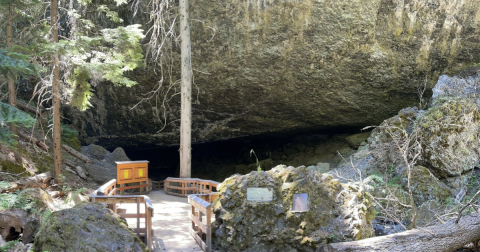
(170, 223)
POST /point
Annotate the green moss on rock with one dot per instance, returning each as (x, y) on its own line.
(86, 227)
(336, 212)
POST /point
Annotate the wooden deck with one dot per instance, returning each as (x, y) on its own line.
(170, 223)
(165, 219)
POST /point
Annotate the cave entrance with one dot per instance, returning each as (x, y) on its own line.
(221, 159)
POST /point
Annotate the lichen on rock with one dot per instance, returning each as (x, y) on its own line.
(336, 212)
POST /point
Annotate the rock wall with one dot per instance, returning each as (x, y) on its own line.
(278, 66)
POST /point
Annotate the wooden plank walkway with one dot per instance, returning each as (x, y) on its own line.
(170, 223)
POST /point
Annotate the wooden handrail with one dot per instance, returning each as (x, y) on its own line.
(106, 194)
(202, 206)
(188, 186)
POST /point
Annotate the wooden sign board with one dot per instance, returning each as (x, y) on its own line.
(259, 194)
(132, 171)
(300, 202)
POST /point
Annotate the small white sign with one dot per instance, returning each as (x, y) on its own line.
(259, 194)
(300, 202)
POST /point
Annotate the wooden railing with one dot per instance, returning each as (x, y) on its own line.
(106, 194)
(185, 186)
(201, 228)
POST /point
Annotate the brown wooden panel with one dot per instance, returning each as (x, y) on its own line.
(199, 240)
(198, 223)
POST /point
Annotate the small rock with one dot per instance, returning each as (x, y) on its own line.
(357, 139)
(81, 172)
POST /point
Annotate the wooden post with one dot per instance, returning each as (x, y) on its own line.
(148, 227)
(138, 216)
(200, 218)
(209, 228)
(193, 214)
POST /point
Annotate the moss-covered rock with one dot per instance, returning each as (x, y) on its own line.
(447, 132)
(450, 131)
(425, 186)
(336, 212)
(89, 227)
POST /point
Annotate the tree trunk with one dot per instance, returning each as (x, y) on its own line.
(57, 143)
(12, 94)
(186, 94)
(439, 238)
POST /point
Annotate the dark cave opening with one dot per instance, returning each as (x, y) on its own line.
(221, 159)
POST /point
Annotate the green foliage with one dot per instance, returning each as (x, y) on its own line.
(112, 15)
(17, 200)
(12, 116)
(106, 57)
(15, 63)
(259, 168)
(5, 185)
(9, 246)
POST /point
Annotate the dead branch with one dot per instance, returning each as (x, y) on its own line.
(76, 154)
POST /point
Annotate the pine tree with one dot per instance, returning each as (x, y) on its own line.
(11, 6)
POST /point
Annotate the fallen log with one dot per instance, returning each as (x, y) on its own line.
(34, 140)
(76, 154)
(440, 238)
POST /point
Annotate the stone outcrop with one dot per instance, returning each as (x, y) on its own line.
(277, 66)
(103, 168)
(86, 227)
(447, 132)
(336, 212)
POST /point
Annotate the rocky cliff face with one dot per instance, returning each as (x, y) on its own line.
(277, 66)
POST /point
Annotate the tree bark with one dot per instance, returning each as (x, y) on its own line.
(186, 94)
(57, 144)
(440, 238)
(12, 94)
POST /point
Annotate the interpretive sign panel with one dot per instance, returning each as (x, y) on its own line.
(259, 194)
(300, 202)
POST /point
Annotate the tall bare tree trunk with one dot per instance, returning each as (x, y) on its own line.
(57, 143)
(12, 94)
(186, 90)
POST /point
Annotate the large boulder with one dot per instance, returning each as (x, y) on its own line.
(447, 132)
(286, 66)
(450, 133)
(89, 227)
(335, 212)
(103, 168)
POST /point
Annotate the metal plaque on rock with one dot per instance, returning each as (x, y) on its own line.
(259, 194)
(300, 202)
